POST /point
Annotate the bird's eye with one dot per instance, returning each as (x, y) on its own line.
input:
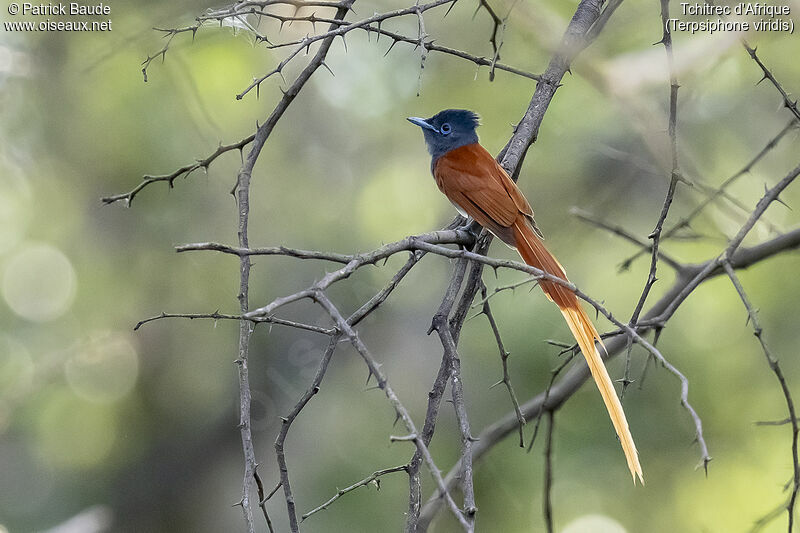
(445, 129)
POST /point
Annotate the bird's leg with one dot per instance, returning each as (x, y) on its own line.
(472, 227)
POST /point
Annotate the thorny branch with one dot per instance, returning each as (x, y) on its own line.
(776, 369)
(685, 222)
(554, 397)
(374, 478)
(487, 310)
(548, 474)
(587, 23)
(666, 39)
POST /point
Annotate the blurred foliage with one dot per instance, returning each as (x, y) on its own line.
(140, 428)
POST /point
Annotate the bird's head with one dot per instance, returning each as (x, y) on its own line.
(448, 130)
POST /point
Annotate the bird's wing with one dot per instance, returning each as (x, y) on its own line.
(471, 178)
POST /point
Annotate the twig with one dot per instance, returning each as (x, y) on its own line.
(510, 287)
(487, 310)
(374, 477)
(457, 392)
(287, 424)
(776, 369)
(478, 60)
(400, 410)
(604, 17)
(787, 102)
(561, 391)
(625, 234)
(423, 52)
(498, 26)
(547, 504)
(168, 35)
(262, 500)
(434, 399)
(431, 416)
(762, 522)
(243, 183)
(221, 316)
(322, 368)
(699, 275)
(675, 176)
(686, 221)
(183, 171)
(306, 42)
(553, 375)
(245, 326)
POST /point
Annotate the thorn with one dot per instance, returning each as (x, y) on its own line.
(479, 313)
(495, 384)
(657, 335)
(390, 48)
(324, 64)
(558, 343)
(778, 199)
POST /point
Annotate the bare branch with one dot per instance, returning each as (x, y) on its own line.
(287, 424)
(553, 397)
(487, 310)
(625, 234)
(666, 39)
(401, 411)
(182, 172)
(222, 316)
(720, 191)
(776, 369)
(262, 500)
(434, 399)
(373, 478)
(787, 102)
(710, 266)
(547, 504)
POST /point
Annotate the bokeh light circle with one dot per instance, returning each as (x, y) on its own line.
(594, 523)
(39, 283)
(104, 369)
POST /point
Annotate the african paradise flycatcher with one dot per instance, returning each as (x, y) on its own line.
(480, 188)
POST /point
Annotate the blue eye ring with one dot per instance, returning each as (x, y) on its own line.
(445, 129)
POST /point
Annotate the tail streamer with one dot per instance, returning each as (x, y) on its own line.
(534, 253)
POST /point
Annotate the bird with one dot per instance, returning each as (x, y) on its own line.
(480, 189)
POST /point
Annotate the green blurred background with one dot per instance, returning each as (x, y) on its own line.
(137, 431)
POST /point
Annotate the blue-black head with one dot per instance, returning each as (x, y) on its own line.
(448, 130)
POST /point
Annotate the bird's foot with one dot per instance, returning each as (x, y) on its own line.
(473, 228)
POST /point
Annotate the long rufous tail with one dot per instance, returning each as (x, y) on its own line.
(534, 253)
